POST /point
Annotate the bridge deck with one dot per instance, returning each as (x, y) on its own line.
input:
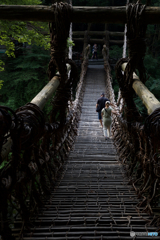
(93, 199)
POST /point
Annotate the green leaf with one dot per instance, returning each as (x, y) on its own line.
(3, 164)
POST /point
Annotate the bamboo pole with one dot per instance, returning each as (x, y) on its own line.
(101, 41)
(148, 99)
(80, 14)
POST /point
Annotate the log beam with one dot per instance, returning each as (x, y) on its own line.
(80, 14)
(148, 99)
(47, 92)
(100, 41)
(98, 33)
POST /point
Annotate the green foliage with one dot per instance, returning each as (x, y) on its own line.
(115, 52)
(3, 164)
(23, 32)
(1, 65)
(155, 2)
(152, 68)
(24, 76)
(70, 43)
(1, 83)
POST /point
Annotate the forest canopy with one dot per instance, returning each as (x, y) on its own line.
(22, 32)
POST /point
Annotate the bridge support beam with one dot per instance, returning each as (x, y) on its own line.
(99, 33)
(101, 41)
(80, 14)
(148, 99)
(46, 93)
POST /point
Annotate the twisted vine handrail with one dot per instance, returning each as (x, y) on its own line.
(38, 149)
(136, 138)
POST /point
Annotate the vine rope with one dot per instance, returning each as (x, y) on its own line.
(137, 142)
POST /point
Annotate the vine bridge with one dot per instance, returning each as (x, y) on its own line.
(62, 180)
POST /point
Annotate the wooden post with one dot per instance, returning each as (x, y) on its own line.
(106, 39)
(86, 39)
(106, 36)
(87, 52)
(105, 53)
(148, 99)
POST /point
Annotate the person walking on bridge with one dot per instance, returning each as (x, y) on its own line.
(107, 119)
(99, 106)
(94, 52)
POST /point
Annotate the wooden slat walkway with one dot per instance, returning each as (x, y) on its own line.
(93, 199)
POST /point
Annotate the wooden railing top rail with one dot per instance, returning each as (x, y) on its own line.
(80, 14)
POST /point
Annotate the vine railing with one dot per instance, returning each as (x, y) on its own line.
(33, 151)
(137, 139)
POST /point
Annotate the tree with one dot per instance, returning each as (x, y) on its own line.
(24, 76)
(30, 32)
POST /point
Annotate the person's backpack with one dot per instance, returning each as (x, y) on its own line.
(98, 108)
